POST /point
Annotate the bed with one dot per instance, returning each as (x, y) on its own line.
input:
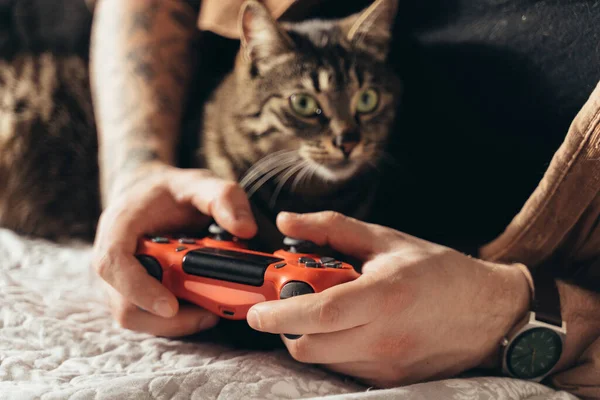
(58, 341)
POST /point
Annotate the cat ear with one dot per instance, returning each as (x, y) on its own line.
(262, 38)
(371, 29)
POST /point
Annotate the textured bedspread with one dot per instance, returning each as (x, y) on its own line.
(57, 341)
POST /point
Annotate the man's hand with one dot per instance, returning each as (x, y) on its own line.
(166, 199)
(420, 311)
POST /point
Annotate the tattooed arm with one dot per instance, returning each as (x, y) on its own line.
(141, 65)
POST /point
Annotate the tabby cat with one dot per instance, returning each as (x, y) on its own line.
(301, 122)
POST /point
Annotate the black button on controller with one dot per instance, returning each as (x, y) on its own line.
(333, 264)
(294, 245)
(161, 240)
(152, 266)
(187, 241)
(304, 260)
(293, 289)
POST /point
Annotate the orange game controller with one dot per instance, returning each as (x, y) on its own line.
(220, 274)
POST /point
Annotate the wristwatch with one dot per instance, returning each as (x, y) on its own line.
(534, 346)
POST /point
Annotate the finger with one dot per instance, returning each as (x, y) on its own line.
(224, 200)
(338, 308)
(329, 348)
(189, 320)
(344, 234)
(123, 272)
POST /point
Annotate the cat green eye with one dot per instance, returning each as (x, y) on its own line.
(368, 100)
(304, 105)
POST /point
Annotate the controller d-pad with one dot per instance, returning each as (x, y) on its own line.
(304, 260)
(152, 266)
(325, 260)
(312, 264)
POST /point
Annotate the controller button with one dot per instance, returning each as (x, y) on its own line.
(180, 248)
(333, 264)
(312, 264)
(304, 260)
(280, 265)
(219, 233)
(294, 245)
(161, 240)
(187, 241)
(152, 266)
(325, 260)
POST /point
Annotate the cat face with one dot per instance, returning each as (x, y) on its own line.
(317, 99)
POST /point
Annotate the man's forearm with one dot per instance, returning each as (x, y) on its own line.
(141, 64)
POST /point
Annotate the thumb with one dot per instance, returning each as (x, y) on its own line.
(345, 234)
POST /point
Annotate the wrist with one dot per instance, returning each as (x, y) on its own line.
(122, 181)
(514, 307)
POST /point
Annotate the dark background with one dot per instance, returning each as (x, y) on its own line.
(490, 88)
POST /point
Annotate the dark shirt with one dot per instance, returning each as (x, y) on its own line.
(490, 89)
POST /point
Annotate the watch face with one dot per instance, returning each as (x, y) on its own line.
(534, 353)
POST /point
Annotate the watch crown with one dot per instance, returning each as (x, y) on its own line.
(504, 342)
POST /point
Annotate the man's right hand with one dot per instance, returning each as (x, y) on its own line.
(165, 200)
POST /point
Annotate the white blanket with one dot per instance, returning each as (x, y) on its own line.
(58, 341)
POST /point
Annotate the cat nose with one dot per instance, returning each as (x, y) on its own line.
(346, 142)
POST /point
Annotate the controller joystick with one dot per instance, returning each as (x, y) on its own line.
(294, 245)
(152, 266)
(293, 289)
(218, 233)
(226, 278)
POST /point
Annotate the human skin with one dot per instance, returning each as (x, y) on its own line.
(420, 311)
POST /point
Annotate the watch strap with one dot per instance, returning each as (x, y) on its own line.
(546, 298)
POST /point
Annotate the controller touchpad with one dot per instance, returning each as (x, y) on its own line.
(227, 265)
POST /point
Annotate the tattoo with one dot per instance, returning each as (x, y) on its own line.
(137, 156)
(143, 20)
(140, 95)
(184, 19)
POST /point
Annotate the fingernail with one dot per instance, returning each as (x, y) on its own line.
(163, 308)
(288, 215)
(208, 322)
(253, 319)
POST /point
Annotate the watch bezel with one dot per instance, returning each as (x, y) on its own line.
(528, 323)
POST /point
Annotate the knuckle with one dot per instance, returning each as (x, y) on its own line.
(333, 218)
(199, 174)
(123, 316)
(229, 190)
(300, 350)
(330, 312)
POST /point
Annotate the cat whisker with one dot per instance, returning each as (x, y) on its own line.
(301, 175)
(265, 165)
(274, 172)
(285, 177)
